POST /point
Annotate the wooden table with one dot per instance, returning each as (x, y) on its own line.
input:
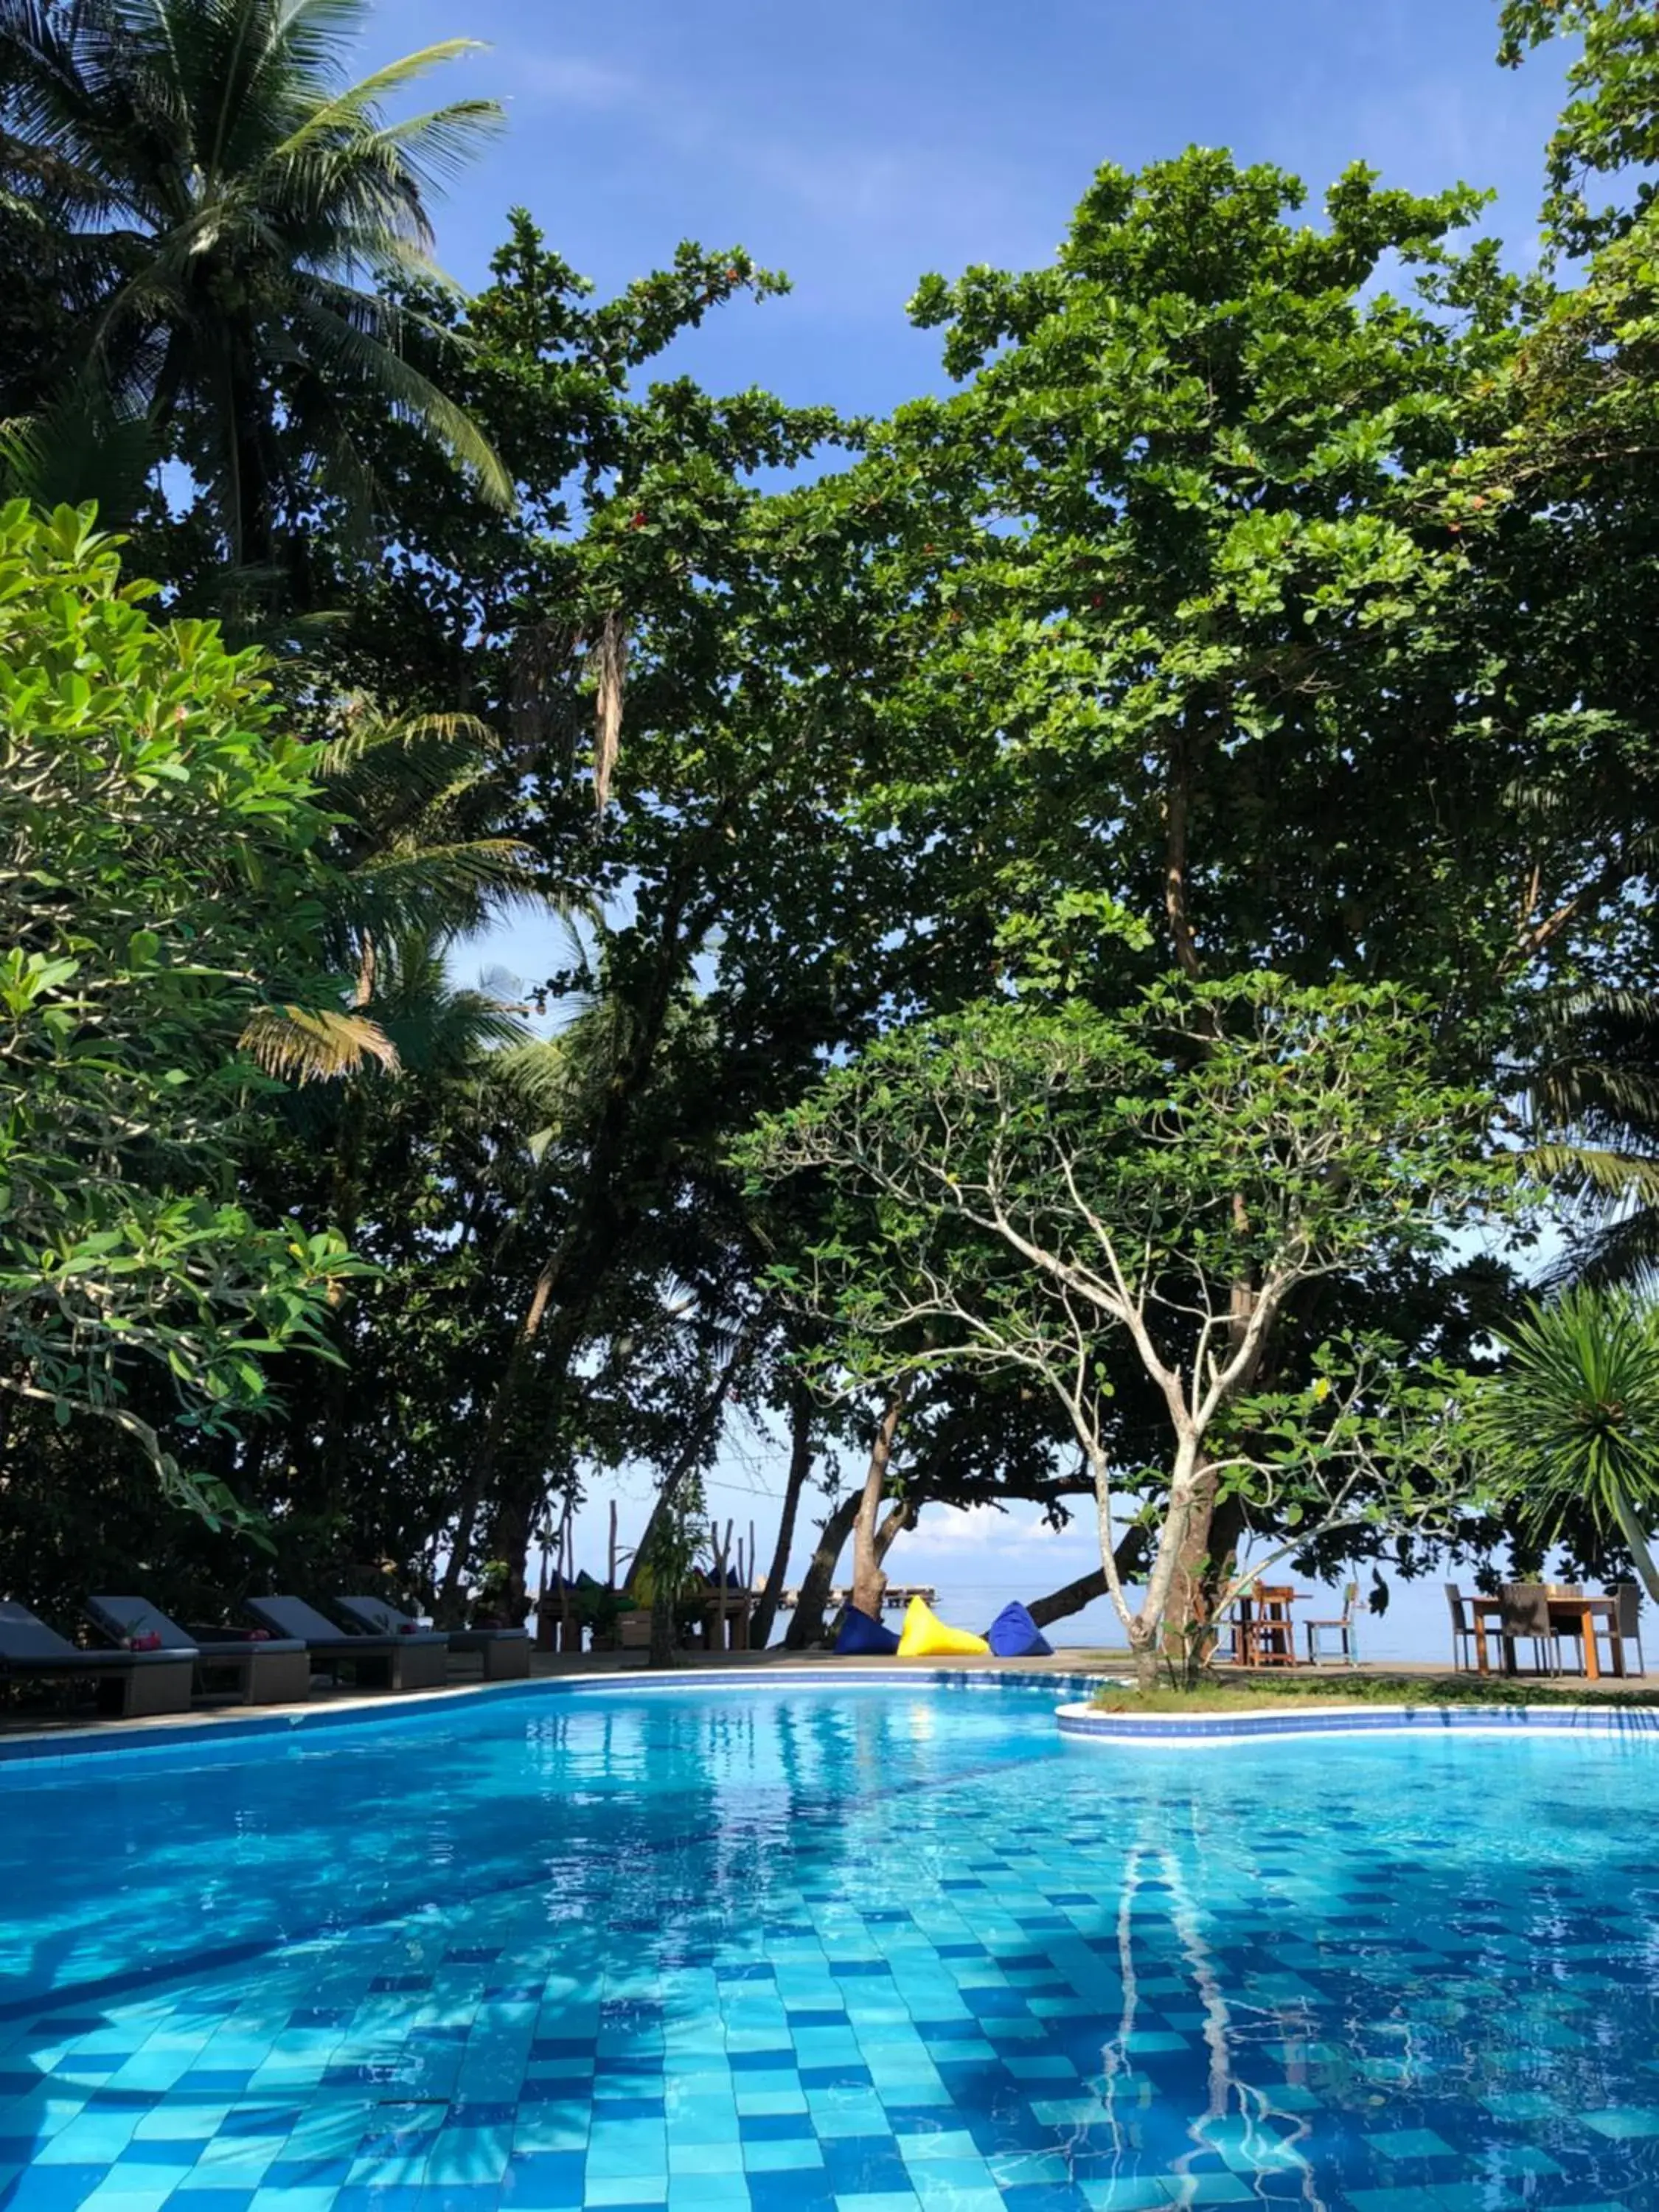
(726, 1619)
(1273, 1626)
(1575, 1615)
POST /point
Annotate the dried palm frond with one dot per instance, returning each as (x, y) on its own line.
(609, 658)
(541, 706)
(315, 1044)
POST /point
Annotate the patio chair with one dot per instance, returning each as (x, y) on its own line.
(390, 1662)
(1627, 1625)
(1348, 1639)
(1462, 1630)
(130, 1685)
(1525, 1617)
(503, 1653)
(273, 1672)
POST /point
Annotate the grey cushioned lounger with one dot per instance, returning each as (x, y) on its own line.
(395, 1663)
(131, 1684)
(276, 1672)
(503, 1653)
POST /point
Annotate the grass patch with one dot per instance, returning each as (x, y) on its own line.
(1216, 1696)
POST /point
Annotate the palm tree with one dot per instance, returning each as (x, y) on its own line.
(1572, 1423)
(246, 219)
(414, 795)
(412, 870)
(1593, 1096)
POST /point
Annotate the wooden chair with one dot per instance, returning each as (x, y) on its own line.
(1526, 1618)
(1347, 1640)
(1268, 1638)
(1462, 1631)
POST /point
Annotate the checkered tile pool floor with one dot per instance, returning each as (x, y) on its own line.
(885, 1953)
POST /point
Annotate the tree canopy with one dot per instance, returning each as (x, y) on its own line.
(1192, 782)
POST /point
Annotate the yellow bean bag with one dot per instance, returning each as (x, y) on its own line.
(926, 1636)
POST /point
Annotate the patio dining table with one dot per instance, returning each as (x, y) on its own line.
(1573, 1616)
(1262, 1632)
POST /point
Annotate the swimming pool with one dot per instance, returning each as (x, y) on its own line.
(827, 1949)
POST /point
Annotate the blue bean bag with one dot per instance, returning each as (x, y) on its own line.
(865, 1638)
(1014, 1635)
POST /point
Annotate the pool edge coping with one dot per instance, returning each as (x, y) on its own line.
(64, 1749)
(1082, 1724)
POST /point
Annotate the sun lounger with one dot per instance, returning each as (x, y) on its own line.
(394, 1663)
(503, 1653)
(274, 1671)
(130, 1684)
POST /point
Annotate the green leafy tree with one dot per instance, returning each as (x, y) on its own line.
(159, 903)
(1021, 1188)
(233, 211)
(1572, 1422)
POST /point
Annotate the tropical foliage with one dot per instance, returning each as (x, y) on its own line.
(1572, 1426)
(1154, 838)
(160, 889)
(226, 212)
(1017, 1191)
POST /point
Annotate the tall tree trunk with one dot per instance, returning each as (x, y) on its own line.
(904, 1516)
(703, 1434)
(583, 1259)
(252, 525)
(1071, 1597)
(869, 1583)
(1177, 824)
(807, 1622)
(1185, 1617)
(1636, 1544)
(1146, 1627)
(1188, 1635)
(802, 1418)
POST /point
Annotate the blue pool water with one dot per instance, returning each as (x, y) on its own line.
(828, 1949)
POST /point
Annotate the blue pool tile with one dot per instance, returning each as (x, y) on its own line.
(1411, 2142)
(866, 2164)
(1624, 2124)
(354, 2198)
(1394, 2200)
(542, 2181)
(774, 2127)
(306, 2173)
(793, 2154)
(52, 2188)
(1122, 2194)
(689, 2159)
(718, 2192)
(791, 2191)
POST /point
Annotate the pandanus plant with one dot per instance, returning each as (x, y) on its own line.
(1572, 1422)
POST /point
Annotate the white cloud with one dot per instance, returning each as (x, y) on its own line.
(953, 1532)
(573, 80)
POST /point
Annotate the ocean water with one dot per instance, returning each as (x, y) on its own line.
(824, 1948)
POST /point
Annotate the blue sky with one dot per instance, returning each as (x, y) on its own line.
(860, 144)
